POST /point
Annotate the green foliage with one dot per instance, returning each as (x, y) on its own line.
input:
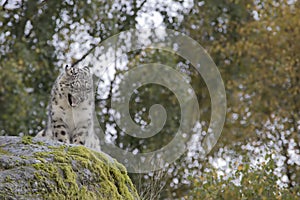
(255, 44)
(246, 183)
(266, 88)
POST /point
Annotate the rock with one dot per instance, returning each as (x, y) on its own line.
(34, 168)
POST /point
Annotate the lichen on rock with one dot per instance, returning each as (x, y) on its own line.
(34, 168)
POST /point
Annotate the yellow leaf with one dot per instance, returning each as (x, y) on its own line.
(240, 167)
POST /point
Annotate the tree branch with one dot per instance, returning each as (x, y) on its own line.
(5, 3)
(84, 56)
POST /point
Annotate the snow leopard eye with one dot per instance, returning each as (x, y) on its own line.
(75, 71)
(86, 68)
(75, 84)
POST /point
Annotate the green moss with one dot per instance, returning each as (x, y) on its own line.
(40, 143)
(8, 179)
(26, 139)
(84, 193)
(23, 157)
(41, 154)
(4, 152)
(108, 181)
(70, 176)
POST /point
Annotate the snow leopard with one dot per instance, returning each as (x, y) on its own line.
(71, 109)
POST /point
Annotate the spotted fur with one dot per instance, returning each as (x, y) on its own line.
(71, 107)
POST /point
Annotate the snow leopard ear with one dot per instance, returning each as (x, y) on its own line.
(71, 71)
(68, 70)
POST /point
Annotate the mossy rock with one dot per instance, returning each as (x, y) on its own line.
(34, 168)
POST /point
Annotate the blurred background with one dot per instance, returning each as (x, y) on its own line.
(254, 43)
